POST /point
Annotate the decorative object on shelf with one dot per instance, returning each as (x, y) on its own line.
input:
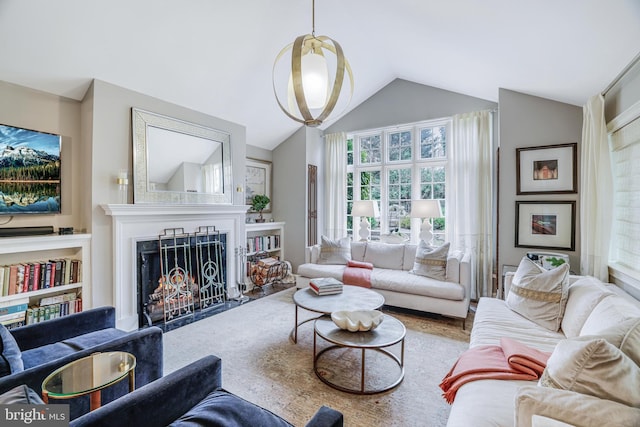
(257, 180)
(426, 210)
(546, 224)
(365, 209)
(258, 203)
(547, 170)
(179, 162)
(548, 260)
(123, 184)
(308, 84)
(357, 320)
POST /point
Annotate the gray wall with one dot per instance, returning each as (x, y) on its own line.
(258, 153)
(527, 121)
(402, 101)
(111, 150)
(289, 193)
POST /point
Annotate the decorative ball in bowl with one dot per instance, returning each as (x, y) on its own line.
(357, 320)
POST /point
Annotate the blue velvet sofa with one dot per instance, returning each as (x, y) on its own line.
(192, 396)
(30, 353)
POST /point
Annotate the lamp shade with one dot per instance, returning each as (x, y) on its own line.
(365, 208)
(425, 209)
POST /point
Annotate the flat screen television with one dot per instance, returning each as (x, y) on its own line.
(29, 171)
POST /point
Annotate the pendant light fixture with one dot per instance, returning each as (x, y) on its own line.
(312, 91)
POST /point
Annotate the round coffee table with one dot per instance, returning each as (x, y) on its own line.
(90, 375)
(390, 332)
(351, 298)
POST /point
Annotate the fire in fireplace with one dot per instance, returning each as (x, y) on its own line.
(180, 275)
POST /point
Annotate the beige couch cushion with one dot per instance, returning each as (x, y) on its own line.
(384, 255)
(584, 295)
(610, 311)
(593, 367)
(624, 335)
(539, 295)
(572, 408)
(431, 262)
(335, 251)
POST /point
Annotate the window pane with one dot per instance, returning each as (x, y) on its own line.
(426, 175)
(399, 200)
(433, 142)
(438, 191)
(400, 146)
(370, 149)
(426, 191)
(438, 174)
(349, 151)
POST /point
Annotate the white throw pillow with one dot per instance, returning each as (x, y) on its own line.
(384, 255)
(431, 262)
(335, 251)
(584, 295)
(593, 367)
(538, 294)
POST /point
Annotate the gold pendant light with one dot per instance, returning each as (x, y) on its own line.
(311, 92)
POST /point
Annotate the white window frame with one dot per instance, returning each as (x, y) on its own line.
(385, 165)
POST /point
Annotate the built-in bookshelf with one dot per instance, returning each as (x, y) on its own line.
(43, 277)
(265, 238)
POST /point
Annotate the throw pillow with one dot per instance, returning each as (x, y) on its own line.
(223, 409)
(21, 395)
(538, 294)
(584, 295)
(624, 335)
(334, 251)
(384, 255)
(594, 367)
(10, 354)
(431, 262)
(571, 407)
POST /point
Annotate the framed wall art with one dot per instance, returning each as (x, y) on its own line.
(551, 169)
(257, 180)
(546, 225)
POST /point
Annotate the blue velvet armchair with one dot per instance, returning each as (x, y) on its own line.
(192, 396)
(45, 347)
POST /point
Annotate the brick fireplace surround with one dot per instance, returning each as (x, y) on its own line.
(139, 222)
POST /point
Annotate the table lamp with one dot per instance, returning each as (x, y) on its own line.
(426, 209)
(365, 209)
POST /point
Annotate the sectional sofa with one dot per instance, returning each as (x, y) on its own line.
(391, 276)
(591, 378)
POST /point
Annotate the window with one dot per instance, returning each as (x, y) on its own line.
(394, 166)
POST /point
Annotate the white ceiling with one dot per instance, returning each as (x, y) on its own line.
(216, 56)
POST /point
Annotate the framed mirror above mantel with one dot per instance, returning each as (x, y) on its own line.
(179, 162)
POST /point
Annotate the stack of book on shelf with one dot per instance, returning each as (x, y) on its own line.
(54, 307)
(263, 243)
(326, 286)
(12, 316)
(32, 276)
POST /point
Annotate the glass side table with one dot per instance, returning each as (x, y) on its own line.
(90, 375)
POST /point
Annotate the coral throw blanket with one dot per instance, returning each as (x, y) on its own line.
(357, 274)
(511, 360)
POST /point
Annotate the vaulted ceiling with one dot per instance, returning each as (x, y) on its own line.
(216, 56)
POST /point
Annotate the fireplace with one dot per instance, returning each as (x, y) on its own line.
(180, 276)
(136, 223)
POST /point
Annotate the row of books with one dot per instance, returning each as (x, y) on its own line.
(32, 276)
(326, 286)
(263, 243)
(21, 314)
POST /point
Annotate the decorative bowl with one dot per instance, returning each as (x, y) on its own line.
(357, 320)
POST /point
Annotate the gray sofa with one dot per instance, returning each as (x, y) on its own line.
(392, 278)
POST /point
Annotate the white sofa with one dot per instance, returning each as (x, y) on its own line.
(391, 277)
(592, 309)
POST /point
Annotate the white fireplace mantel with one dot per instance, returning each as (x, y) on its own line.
(132, 223)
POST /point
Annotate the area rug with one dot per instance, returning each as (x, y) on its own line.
(261, 364)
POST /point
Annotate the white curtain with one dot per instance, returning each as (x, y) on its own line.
(470, 195)
(335, 173)
(596, 189)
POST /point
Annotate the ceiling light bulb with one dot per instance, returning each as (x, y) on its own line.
(315, 80)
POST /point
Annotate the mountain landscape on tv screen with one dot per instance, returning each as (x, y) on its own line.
(29, 171)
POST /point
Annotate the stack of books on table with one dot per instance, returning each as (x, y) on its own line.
(325, 286)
